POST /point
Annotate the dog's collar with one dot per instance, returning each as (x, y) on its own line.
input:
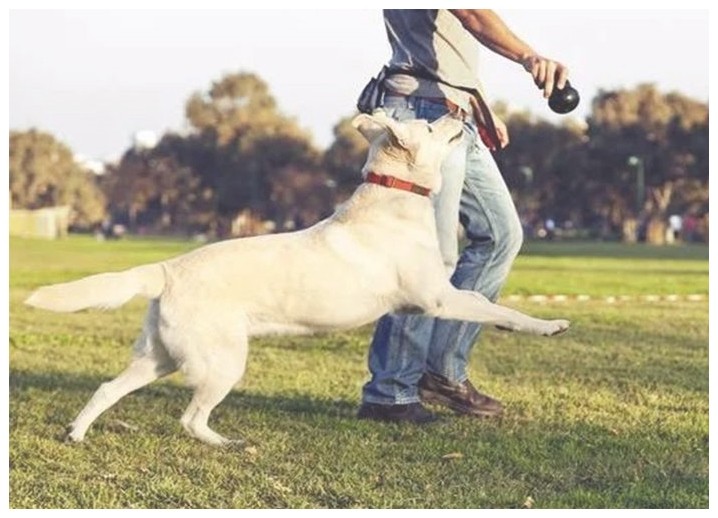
(395, 183)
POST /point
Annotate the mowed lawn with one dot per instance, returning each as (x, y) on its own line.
(612, 414)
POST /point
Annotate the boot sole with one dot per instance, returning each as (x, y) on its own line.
(438, 399)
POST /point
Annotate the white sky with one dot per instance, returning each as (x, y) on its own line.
(93, 78)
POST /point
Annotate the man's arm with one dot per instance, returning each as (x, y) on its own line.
(491, 31)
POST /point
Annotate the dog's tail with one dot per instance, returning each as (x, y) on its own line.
(104, 291)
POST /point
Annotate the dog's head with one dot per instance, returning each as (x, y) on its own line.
(411, 150)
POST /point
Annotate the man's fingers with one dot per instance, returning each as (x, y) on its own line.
(547, 73)
(540, 76)
(536, 69)
(528, 63)
(562, 78)
(550, 79)
(504, 140)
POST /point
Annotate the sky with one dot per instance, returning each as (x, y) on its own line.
(93, 78)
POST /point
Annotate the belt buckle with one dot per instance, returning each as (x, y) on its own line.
(456, 111)
(389, 181)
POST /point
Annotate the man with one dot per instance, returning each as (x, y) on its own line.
(433, 71)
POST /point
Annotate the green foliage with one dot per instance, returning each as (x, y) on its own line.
(232, 106)
(245, 160)
(43, 173)
(345, 157)
(543, 165)
(667, 133)
(252, 143)
(240, 159)
(160, 187)
(614, 414)
(589, 174)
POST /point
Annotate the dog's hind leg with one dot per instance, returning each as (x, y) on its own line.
(219, 373)
(150, 361)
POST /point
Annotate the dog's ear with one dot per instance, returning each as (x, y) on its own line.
(371, 126)
(367, 126)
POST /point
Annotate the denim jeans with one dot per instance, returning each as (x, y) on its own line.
(474, 194)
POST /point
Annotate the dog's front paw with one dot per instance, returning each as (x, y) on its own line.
(556, 327)
(72, 435)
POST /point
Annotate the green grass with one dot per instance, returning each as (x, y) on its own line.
(612, 414)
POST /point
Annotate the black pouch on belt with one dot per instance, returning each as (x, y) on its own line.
(373, 93)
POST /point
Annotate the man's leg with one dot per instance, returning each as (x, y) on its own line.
(494, 232)
(397, 356)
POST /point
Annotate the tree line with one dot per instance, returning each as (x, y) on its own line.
(245, 167)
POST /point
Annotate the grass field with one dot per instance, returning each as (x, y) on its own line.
(613, 414)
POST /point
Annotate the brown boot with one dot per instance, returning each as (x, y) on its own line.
(462, 398)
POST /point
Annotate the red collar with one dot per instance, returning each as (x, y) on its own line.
(395, 183)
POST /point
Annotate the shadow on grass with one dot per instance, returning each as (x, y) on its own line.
(83, 386)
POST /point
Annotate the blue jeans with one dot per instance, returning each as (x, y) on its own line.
(473, 193)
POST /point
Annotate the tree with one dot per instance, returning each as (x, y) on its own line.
(300, 198)
(252, 143)
(543, 167)
(645, 141)
(345, 157)
(158, 187)
(233, 105)
(43, 173)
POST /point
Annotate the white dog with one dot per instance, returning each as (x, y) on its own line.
(376, 254)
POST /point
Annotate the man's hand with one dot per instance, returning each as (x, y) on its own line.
(501, 131)
(491, 31)
(547, 73)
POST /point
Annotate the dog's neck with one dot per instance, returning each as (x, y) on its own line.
(402, 165)
(371, 202)
(392, 182)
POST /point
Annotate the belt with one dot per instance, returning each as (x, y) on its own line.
(453, 108)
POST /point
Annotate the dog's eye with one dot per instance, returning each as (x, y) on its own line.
(431, 130)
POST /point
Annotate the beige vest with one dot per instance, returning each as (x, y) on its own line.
(434, 56)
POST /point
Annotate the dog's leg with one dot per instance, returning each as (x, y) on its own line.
(456, 304)
(219, 375)
(141, 371)
(150, 361)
